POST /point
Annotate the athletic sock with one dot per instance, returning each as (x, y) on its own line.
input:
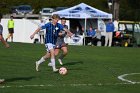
(61, 56)
(53, 64)
(40, 61)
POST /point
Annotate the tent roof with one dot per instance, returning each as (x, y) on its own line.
(82, 11)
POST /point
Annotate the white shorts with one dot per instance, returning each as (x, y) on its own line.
(49, 46)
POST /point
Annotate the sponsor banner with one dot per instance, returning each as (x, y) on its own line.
(74, 40)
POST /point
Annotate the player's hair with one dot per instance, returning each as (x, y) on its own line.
(11, 16)
(55, 16)
(63, 18)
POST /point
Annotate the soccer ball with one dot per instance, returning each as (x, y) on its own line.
(63, 71)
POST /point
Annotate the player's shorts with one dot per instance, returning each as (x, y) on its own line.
(59, 46)
(11, 30)
(49, 46)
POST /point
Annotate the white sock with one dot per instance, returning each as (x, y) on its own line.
(53, 64)
(40, 61)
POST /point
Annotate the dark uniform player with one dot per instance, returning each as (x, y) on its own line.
(60, 44)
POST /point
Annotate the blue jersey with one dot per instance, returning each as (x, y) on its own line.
(52, 32)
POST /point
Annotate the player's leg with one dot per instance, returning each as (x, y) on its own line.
(9, 34)
(110, 39)
(11, 37)
(65, 51)
(56, 53)
(4, 42)
(51, 49)
(2, 80)
(52, 53)
(12, 32)
(43, 39)
(106, 39)
(42, 59)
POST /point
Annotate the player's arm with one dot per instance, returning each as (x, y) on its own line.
(36, 31)
(4, 42)
(68, 32)
(61, 33)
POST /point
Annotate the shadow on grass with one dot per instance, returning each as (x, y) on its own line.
(19, 78)
(73, 63)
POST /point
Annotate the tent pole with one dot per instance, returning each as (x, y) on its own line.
(85, 31)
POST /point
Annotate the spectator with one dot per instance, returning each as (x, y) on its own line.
(91, 32)
(83, 30)
(41, 32)
(10, 28)
(78, 31)
(109, 32)
(97, 38)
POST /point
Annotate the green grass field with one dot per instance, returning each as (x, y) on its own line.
(90, 70)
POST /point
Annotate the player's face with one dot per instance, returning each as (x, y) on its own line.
(55, 20)
(63, 22)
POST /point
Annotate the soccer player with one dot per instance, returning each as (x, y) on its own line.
(60, 44)
(3, 41)
(1, 36)
(53, 29)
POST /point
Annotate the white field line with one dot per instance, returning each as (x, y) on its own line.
(64, 85)
(121, 77)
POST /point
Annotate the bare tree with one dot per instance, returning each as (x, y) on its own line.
(116, 5)
(110, 5)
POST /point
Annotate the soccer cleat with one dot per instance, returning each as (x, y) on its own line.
(50, 64)
(7, 45)
(2, 80)
(60, 62)
(37, 66)
(55, 70)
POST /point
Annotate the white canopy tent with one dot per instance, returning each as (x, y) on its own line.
(83, 11)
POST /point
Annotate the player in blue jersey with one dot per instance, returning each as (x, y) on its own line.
(53, 29)
(3, 41)
(1, 36)
(60, 44)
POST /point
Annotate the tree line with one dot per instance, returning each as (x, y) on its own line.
(128, 9)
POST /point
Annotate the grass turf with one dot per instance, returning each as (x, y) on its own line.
(90, 70)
